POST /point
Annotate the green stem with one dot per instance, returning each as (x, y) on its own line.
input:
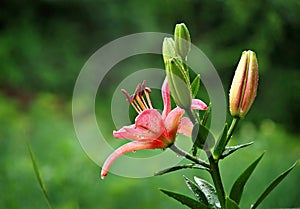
(232, 128)
(188, 156)
(195, 119)
(213, 165)
(216, 177)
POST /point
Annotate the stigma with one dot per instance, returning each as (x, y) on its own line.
(140, 100)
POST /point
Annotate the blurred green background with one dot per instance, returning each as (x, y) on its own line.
(43, 46)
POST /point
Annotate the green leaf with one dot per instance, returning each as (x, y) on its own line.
(196, 191)
(195, 86)
(191, 203)
(230, 204)
(238, 186)
(231, 149)
(221, 143)
(38, 176)
(209, 192)
(175, 168)
(202, 137)
(272, 186)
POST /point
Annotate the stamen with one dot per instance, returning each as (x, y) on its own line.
(148, 99)
(136, 107)
(138, 99)
(144, 102)
(143, 85)
(148, 90)
(138, 90)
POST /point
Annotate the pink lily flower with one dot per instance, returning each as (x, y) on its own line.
(152, 130)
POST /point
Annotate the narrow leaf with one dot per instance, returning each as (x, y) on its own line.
(230, 204)
(196, 191)
(175, 168)
(238, 186)
(221, 143)
(272, 186)
(231, 149)
(209, 192)
(202, 137)
(195, 85)
(191, 203)
(38, 175)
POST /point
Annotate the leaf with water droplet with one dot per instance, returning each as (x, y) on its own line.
(179, 167)
(231, 149)
(209, 191)
(196, 191)
(191, 203)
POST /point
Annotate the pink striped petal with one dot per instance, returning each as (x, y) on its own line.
(124, 134)
(165, 91)
(130, 147)
(151, 121)
(133, 133)
(185, 127)
(197, 104)
(172, 121)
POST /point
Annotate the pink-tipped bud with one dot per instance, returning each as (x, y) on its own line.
(244, 85)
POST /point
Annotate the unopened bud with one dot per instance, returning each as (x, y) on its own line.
(182, 40)
(168, 49)
(179, 87)
(244, 85)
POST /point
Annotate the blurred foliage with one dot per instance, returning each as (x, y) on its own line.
(73, 181)
(43, 46)
(45, 43)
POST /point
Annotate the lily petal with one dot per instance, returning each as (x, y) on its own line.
(165, 91)
(131, 132)
(197, 104)
(124, 134)
(130, 147)
(172, 121)
(151, 121)
(185, 127)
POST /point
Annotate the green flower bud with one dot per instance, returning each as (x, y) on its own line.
(168, 49)
(179, 87)
(182, 40)
(244, 85)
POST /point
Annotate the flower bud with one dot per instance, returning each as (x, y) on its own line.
(182, 40)
(179, 86)
(168, 49)
(244, 85)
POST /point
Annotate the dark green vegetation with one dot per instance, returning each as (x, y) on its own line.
(44, 44)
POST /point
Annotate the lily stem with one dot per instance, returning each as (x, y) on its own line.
(188, 156)
(232, 128)
(216, 177)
